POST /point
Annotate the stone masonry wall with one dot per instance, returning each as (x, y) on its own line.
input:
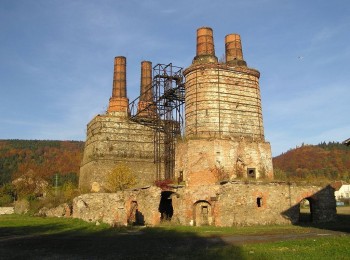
(235, 204)
(112, 139)
(230, 204)
(118, 208)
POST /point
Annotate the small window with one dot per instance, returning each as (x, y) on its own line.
(204, 209)
(259, 202)
(181, 177)
(251, 172)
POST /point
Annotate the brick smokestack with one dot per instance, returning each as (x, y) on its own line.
(119, 101)
(233, 50)
(205, 46)
(146, 81)
(146, 108)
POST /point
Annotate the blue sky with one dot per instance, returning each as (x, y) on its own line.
(56, 60)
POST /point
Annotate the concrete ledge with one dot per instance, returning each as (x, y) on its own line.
(6, 210)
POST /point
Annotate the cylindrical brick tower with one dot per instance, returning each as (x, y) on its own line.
(119, 101)
(223, 100)
(224, 133)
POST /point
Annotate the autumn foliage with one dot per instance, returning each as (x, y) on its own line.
(314, 162)
(44, 158)
(120, 178)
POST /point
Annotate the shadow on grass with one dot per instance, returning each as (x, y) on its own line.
(322, 208)
(59, 240)
(341, 224)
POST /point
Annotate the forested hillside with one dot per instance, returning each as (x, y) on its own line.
(44, 158)
(314, 162)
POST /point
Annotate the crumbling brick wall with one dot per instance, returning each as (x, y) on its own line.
(254, 203)
(208, 161)
(230, 204)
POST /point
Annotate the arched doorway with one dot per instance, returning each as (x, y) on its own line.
(166, 206)
(135, 217)
(202, 213)
(306, 210)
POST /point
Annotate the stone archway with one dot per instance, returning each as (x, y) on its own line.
(202, 213)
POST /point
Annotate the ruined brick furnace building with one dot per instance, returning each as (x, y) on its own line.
(216, 161)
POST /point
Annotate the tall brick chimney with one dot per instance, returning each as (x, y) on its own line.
(233, 50)
(119, 101)
(146, 81)
(145, 106)
(205, 46)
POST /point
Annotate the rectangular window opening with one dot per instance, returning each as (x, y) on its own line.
(251, 173)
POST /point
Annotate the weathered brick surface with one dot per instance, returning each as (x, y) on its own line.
(200, 159)
(224, 128)
(224, 140)
(223, 101)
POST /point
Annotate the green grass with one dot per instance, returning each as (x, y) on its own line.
(25, 237)
(312, 248)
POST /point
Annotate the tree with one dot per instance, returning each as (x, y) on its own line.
(120, 178)
(280, 174)
(30, 185)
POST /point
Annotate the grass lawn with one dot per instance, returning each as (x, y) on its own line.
(25, 237)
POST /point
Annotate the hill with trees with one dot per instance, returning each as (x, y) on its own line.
(314, 163)
(45, 158)
(325, 161)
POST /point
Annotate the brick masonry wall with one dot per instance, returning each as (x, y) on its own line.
(223, 101)
(224, 135)
(208, 161)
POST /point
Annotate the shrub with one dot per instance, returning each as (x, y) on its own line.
(120, 178)
(5, 200)
(7, 194)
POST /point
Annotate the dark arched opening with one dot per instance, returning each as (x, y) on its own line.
(135, 217)
(306, 212)
(166, 206)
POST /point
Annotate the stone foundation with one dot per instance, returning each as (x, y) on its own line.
(229, 204)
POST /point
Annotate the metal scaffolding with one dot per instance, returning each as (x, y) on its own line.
(164, 114)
